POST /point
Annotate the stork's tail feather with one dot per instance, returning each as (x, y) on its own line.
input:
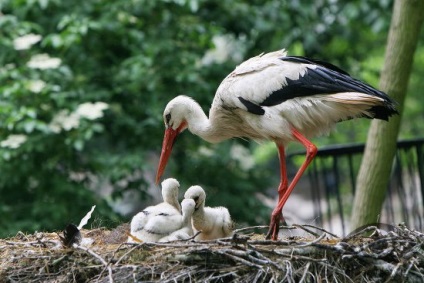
(385, 111)
(379, 106)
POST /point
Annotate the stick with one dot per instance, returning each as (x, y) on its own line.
(99, 258)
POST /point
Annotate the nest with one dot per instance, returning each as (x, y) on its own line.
(368, 255)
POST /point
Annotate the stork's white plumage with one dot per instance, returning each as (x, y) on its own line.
(170, 189)
(137, 226)
(280, 98)
(214, 222)
(158, 221)
(186, 230)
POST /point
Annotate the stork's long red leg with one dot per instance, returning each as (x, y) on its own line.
(311, 151)
(282, 188)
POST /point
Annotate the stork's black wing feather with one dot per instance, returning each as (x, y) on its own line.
(304, 60)
(323, 78)
(326, 78)
(319, 80)
(252, 107)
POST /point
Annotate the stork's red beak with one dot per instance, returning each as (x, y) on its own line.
(168, 142)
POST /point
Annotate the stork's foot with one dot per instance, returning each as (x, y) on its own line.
(274, 227)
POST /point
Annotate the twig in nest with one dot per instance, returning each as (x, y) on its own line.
(320, 229)
(271, 242)
(317, 240)
(125, 254)
(192, 237)
(99, 258)
(305, 272)
(248, 254)
(261, 227)
(111, 259)
(259, 255)
(306, 229)
(359, 232)
(250, 228)
(394, 272)
(237, 258)
(239, 239)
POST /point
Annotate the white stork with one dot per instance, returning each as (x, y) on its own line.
(280, 98)
(214, 222)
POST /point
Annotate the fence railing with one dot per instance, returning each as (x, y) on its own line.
(332, 180)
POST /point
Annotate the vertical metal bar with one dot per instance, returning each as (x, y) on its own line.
(401, 187)
(389, 205)
(327, 195)
(351, 174)
(339, 200)
(316, 188)
(413, 191)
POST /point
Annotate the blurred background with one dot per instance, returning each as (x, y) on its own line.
(83, 85)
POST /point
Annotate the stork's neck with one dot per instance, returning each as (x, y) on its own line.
(172, 200)
(186, 217)
(200, 125)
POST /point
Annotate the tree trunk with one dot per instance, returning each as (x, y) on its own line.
(374, 173)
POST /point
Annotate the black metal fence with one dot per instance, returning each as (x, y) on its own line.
(332, 177)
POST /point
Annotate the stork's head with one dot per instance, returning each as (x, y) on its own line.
(197, 194)
(174, 117)
(188, 206)
(170, 188)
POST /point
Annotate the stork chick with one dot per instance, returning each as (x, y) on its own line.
(170, 189)
(186, 230)
(137, 225)
(158, 221)
(213, 222)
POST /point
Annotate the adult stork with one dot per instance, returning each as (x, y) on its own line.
(280, 98)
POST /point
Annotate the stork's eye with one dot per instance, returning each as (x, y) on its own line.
(163, 214)
(167, 118)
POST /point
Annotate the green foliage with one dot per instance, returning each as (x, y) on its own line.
(87, 116)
